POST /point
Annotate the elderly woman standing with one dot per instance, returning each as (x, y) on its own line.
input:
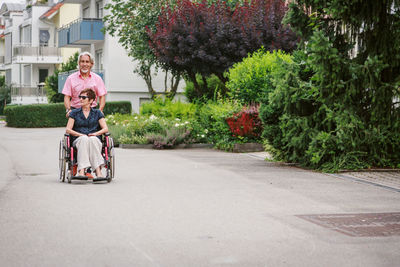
(87, 125)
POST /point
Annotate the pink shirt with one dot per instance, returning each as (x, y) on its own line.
(75, 84)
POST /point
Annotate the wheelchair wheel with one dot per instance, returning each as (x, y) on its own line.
(62, 161)
(69, 175)
(111, 161)
(70, 172)
(111, 166)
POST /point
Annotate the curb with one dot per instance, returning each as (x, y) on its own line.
(248, 147)
(150, 146)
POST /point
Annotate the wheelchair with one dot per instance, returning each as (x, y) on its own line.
(68, 162)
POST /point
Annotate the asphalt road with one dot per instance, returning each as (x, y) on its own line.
(186, 207)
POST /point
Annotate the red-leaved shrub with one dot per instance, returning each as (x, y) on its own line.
(246, 123)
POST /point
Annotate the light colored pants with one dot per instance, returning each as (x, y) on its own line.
(89, 152)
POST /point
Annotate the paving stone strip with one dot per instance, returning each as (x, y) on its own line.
(359, 224)
(386, 179)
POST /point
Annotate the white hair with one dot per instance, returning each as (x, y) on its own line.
(86, 54)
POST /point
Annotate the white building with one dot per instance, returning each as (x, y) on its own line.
(31, 53)
(2, 47)
(111, 60)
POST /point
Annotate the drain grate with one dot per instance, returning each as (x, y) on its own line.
(359, 224)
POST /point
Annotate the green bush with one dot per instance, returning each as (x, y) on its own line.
(211, 88)
(37, 115)
(51, 83)
(122, 107)
(167, 108)
(315, 116)
(250, 79)
(51, 115)
(5, 95)
(212, 120)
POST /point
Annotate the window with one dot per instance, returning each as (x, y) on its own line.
(8, 45)
(8, 77)
(44, 36)
(98, 60)
(26, 35)
(99, 9)
(27, 75)
(86, 13)
(43, 73)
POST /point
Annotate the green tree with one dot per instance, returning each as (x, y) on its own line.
(336, 106)
(129, 20)
(51, 83)
(5, 94)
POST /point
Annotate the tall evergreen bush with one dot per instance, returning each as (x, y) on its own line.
(336, 106)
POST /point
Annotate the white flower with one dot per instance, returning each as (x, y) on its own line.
(152, 117)
(177, 119)
(202, 135)
(205, 130)
(177, 125)
(135, 117)
(186, 122)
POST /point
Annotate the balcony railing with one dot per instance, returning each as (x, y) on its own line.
(63, 37)
(62, 77)
(28, 95)
(81, 32)
(28, 91)
(42, 51)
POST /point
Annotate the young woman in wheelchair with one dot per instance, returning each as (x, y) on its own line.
(86, 125)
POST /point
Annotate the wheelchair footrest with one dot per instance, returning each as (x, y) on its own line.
(83, 178)
(100, 179)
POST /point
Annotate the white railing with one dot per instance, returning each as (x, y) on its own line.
(22, 91)
(42, 51)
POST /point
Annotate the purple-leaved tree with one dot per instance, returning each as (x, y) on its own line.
(203, 38)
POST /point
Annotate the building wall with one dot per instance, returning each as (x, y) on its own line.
(67, 14)
(38, 25)
(17, 19)
(120, 80)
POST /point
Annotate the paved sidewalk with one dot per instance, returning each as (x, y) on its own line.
(187, 207)
(389, 179)
(386, 179)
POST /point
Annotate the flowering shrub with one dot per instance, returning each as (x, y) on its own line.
(221, 123)
(245, 123)
(161, 132)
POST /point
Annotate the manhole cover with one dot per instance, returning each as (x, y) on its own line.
(359, 224)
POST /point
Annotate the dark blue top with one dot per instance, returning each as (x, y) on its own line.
(86, 125)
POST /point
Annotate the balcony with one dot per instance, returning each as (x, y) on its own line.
(24, 54)
(81, 32)
(62, 77)
(75, 1)
(21, 94)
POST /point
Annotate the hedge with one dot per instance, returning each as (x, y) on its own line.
(122, 107)
(51, 115)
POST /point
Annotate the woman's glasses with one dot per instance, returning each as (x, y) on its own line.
(83, 97)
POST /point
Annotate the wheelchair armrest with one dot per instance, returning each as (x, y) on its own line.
(67, 134)
(107, 134)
